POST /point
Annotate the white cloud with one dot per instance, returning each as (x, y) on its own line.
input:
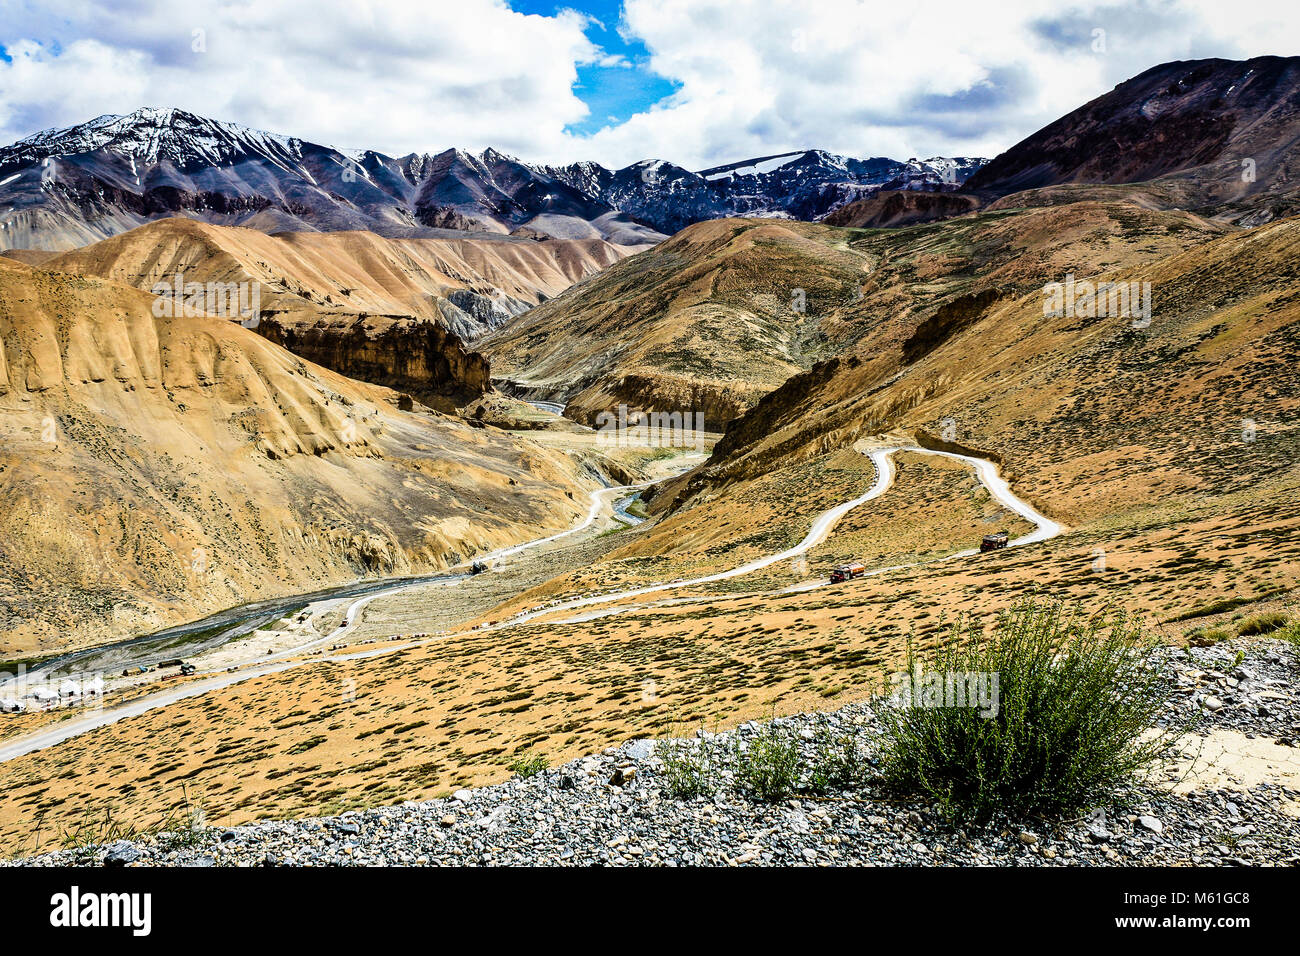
(398, 75)
(917, 77)
(912, 78)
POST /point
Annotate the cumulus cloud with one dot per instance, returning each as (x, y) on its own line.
(917, 78)
(397, 75)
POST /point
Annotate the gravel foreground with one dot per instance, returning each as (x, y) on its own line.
(612, 809)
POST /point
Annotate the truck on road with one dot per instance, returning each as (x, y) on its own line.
(993, 542)
(846, 571)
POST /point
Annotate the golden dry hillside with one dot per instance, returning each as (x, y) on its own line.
(708, 321)
(305, 274)
(154, 469)
(395, 312)
(1201, 400)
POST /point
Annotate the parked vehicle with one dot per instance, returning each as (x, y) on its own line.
(992, 542)
(846, 571)
(187, 669)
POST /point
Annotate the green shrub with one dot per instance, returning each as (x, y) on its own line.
(1265, 623)
(769, 768)
(689, 768)
(841, 763)
(1291, 632)
(527, 766)
(1075, 715)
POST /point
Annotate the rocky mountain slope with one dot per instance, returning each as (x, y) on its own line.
(64, 188)
(707, 322)
(154, 469)
(1210, 135)
(801, 185)
(890, 208)
(1201, 400)
(728, 310)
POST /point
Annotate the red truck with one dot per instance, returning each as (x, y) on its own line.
(992, 542)
(847, 571)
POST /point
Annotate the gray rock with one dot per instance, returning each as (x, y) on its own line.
(121, 852)
(1152, 824)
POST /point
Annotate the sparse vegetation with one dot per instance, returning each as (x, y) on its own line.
(1265, 623)
(688, 769)
(1076, 714)
(841, 764)
(527, 765)
(769, 767)
(1207, 636)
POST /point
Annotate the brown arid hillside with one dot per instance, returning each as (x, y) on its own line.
(155, 469)
(727, 311)
(1090, 414)
(1168, 452)
(1215, 136)
(707, 322)
(395, 312)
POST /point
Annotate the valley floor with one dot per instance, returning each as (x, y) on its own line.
(414, 719)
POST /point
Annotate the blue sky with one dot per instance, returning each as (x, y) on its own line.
(614, 94)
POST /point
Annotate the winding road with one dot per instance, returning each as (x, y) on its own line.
(823, 524)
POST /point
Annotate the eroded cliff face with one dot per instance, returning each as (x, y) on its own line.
(713, 404)
(416, 356)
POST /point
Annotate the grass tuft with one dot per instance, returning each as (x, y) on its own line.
(527, 766)
(689, 768)
(1265, 623)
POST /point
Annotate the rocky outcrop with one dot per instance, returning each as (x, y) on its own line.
(1215, 135)
(415, 356)
(901, 208)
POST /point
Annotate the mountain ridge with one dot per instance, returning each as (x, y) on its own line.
(74, 185)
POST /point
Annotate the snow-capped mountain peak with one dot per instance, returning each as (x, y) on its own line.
(154, 134)
(115, 171)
